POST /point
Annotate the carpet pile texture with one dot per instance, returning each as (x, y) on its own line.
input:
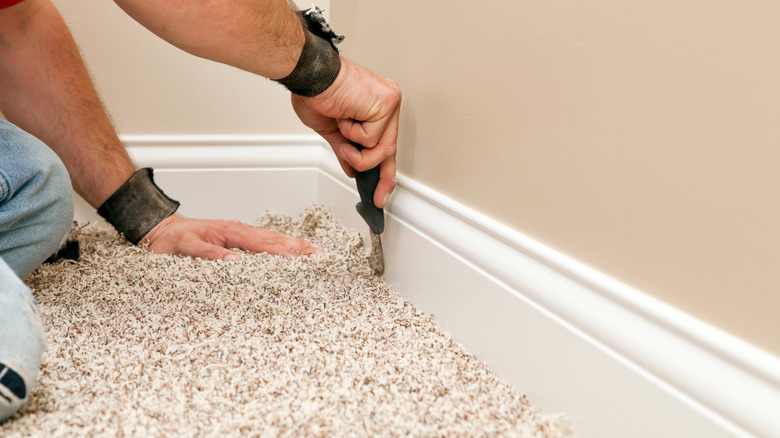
(143, 344)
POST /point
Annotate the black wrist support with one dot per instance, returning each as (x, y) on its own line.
(136, 207)
(319, 63)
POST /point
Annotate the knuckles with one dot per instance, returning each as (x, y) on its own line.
(394, 94)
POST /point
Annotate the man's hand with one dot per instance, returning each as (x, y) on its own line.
(363, 107)
(210, 239)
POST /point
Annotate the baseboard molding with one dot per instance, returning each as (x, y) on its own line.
(618, 362)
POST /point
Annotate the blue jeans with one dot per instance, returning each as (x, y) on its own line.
(36, 211)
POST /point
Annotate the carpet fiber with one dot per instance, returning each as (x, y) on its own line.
(144, 344)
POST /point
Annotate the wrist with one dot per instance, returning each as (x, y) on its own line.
(319, 62)
(160, 229)
(137, 206)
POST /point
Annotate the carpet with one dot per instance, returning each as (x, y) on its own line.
(145, 344)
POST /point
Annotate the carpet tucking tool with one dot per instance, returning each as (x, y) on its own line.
(374, 216)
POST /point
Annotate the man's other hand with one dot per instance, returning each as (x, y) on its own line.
(211, 239)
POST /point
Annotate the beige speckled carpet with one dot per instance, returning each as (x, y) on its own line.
(143, 344)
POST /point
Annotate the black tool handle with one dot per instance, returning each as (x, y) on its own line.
(366, 185)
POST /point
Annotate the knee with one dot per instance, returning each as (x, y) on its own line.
(54, 198)
(51, 193)
(58, 195)
(33, 174)
(36, 199)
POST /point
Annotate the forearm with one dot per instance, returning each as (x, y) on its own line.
(45, 89)
(261, 36)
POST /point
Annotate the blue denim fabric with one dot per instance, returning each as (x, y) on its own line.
(22, 340)
(36, 200)
(36, 211)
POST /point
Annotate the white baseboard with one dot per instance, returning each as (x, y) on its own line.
(618, 362)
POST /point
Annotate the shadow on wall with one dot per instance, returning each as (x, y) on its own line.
(407, 138)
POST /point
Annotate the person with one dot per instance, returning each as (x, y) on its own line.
(57, 138)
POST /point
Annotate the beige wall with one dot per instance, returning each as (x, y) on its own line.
(640, 138)
(151, 87)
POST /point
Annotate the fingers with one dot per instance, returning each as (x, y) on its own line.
(336, 141)
(378, 134)
(387, 169)
(209, 251)
(258, 240)
(368, 158)
(212, 240)
(387, 183)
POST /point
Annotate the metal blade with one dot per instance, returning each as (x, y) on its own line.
(376, 259)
